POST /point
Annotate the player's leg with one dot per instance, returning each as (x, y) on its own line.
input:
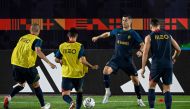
(167, 96)
(66, 89)
(111, 66)
(78, 85)
(153, 80)
(151, 94)
(32, 78)
(19, 78)
(136, 83)
(18, 75)
(131, 70)
(167, 81)
(15, 90)
(106, 75)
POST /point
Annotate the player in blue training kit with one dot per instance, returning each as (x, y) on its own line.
(160, 43)
(126, 40)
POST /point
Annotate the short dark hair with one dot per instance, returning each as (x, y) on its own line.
(72, 32)
(154, 22)
(127, 16)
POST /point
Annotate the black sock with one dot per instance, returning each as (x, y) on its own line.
(106, 81)
(79, 100)
(168, 99)
(67, 99)
(16, 90)
(39, 95)
(137, 91)
(151, 97)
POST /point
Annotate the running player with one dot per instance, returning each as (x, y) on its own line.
(74, 66)
(23, 61)
(126, 40)
(160, 43)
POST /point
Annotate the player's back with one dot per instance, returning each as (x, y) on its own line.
(71, 67)
(23, 55)
(161, 50)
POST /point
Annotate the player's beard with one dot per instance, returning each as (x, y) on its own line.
(126, 26)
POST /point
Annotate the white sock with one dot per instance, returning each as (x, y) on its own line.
(107, 90)
(9, 98)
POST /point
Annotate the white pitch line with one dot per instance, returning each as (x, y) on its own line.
(14, 102)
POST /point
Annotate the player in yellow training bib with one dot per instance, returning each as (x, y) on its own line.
(74, 66)
(23, 61)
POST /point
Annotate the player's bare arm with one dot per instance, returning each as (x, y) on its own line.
(42, 56)
(140, 51)
(177, 50)
(85, 62)
(145, 54)
(104, 35)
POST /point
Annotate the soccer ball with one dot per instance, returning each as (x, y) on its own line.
(89, 103)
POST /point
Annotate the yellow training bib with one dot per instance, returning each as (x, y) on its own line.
(72, 67)
(23, 55)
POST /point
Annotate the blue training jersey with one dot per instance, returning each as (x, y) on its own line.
(161, 50)
(125, 42)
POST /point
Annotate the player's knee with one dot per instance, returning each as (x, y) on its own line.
(166, 88)
(107, 70)
(36, 85)
(22, 84)
(135, 80)
(152, 84)
(65, 92)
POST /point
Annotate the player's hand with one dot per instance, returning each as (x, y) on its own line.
(142, 73)
(52, 65)
(95, 67)
(94, 39)
(62, 62)
(173, 60)
(139, 53)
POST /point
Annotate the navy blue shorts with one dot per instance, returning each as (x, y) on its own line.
(70, 83)
(21, 74)
(164, 74)
(126, 65)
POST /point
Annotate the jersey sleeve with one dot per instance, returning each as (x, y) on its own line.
(137, 37)
(113, 32)
(37, 43)
(81, 52)
(58, 54)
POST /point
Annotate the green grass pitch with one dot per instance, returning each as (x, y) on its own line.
(116, 102)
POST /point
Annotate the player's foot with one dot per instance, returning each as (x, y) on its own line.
(106, 97)
(47, 106)
(6, 102)
(72, 106)
(140, 103)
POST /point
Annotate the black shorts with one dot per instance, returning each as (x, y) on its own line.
(21, 74)
(164, 74)
(126, 65)
(70, 83)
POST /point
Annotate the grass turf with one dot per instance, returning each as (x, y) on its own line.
(116, 102)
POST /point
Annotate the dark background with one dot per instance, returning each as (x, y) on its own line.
(93, 8)
(89, 9)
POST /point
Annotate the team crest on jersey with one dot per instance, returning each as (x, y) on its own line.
(129, 37)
